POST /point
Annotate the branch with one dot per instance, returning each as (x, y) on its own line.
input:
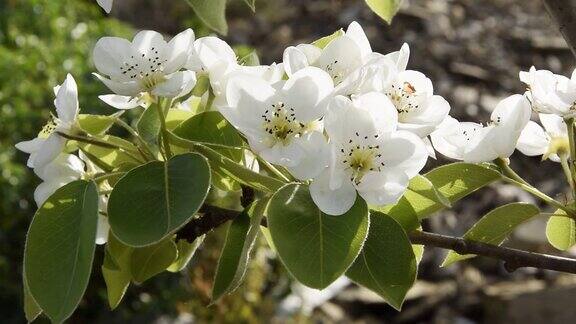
(513, 258)
(212, 217)
(563, 12)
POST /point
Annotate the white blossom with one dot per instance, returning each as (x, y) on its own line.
(342, 58)
(106, 5)
(368, 155)
(475, 143)
(548, 141)
(217, 59)
(147, 64)
(419, 110)
(49, 144)
(282, 122)
(64, 169)
(550, 93)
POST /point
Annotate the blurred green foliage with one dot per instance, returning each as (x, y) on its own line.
(40, 42)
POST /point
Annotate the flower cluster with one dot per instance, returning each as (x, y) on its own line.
(348, 121)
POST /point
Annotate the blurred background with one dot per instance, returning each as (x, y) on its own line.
(471, 49)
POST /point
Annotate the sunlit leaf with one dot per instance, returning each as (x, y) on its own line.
(316, 248)
(212, 13)
(386, 9)
(494, 227)
(561, 230)
(154, 200)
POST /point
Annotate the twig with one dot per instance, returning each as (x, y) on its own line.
(563, 12)
(211, 217)
(513, 258)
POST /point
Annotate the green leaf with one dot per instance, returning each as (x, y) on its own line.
(109, 158)
(561, 231)
(149, 125)
(228, 167)
(116, 270)
(251, 4)
(185, 253)
(233, 262)
(453, 181)
(151, 260)
(60, 248)
(175, 117)
(387, 264)
(420, 189)
(315, 248)
(385, 9)
(251, 59)
(95, 124)
(494, 227)
(324, 41)
(211, 128)
(31, 308)
(154, 200)
(402, 212)
(212, 13)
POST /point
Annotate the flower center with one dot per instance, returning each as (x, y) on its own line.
(337, 71)
(48, 129)
(147, 67)
(150, 81)
(361, 155)
(280, 123)
(558, 145)
(55, 124)
(404, 98)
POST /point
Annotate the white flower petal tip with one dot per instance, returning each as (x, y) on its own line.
(550, 93)
(475, 143)
(106, 5)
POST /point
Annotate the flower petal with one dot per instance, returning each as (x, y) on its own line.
(45, 190)
(176, 84)
(129, 88)
(212, 50)
(380, 108)
(403, 152)
(109, 55)
(307, 92)
(67, 100)
(64, 167)
(332, 201)
(105, 4)
(148, 42)
(315, 159)
(178, 51)
(379, 188)
(103, 230)
(533, 140)
(554, 125)
(120, 102)
(294, 60)
(51, 148)
(356, 33)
